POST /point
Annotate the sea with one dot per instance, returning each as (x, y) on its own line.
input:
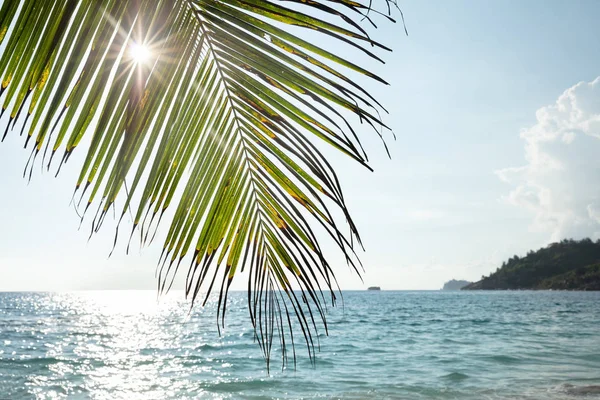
(517, 345)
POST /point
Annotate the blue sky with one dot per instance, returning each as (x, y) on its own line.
(486, 164)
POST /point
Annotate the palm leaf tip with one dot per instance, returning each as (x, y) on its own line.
(219, 125)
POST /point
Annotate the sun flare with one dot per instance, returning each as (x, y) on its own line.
(139, 53)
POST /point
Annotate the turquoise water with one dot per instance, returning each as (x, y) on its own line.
(382, 345)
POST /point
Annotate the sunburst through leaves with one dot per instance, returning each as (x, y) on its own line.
(216, 111)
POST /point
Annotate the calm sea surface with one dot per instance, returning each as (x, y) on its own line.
(382, 345)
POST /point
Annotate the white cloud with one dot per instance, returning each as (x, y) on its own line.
(560, 184)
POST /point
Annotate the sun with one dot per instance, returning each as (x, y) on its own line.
(139, 53)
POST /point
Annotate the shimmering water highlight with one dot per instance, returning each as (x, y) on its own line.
(382, 345)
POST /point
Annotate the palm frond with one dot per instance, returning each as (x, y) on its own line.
(222, 124)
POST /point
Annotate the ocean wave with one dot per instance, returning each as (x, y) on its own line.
(471, 346)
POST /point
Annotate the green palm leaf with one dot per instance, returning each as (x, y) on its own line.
(221, 123)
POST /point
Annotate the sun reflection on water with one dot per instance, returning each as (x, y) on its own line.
(119, 345)
(123, 302)
(124, 345)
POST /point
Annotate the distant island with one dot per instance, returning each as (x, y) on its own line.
(455, 284)
(566, 265)
(374, 288)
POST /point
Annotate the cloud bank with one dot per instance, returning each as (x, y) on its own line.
(560, 184)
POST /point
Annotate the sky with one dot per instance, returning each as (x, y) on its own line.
(496, 109)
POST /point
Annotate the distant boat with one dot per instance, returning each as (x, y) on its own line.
(374, 288)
